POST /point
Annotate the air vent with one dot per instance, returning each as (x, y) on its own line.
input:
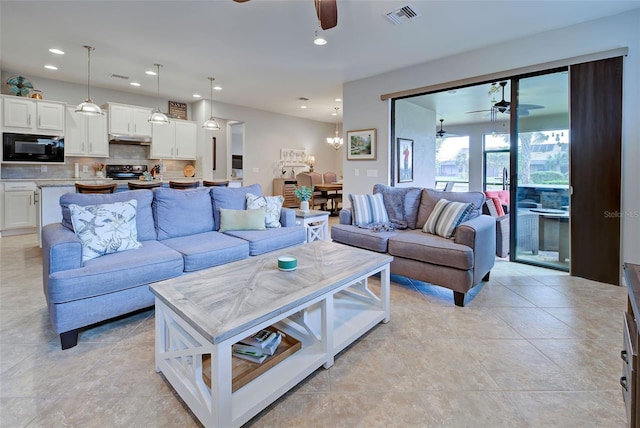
(120, 76)
(402, 15)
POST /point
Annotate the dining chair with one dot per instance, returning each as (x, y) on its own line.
(335, 198)
(224, 183)
(309, 179)
(183, 185)
(144, 185)
(96, 188)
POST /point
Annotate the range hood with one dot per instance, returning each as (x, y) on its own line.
(129, 139)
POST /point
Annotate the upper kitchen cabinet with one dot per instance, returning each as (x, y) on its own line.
(129, 121)
(175, 140)
(29, 116)
(86, 135)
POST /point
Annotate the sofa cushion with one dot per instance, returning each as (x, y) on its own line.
(231, 198)
(271, 204)
(115, 272)
(423, 247)
(263, 241)
(502, 195)
(430, 197)
(105, 228)
(368, 209)
(208, 249)
(182, 212)
(144, 215)
(445, 217)
(241, 219)
(361, 238)
(494, 205)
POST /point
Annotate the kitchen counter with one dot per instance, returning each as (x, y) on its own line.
(64, 182)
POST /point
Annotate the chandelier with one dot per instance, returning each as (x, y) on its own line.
(336, 141)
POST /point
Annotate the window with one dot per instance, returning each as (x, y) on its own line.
(452, 162)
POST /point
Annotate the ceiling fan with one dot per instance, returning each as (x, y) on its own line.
(504, 106)
(326, 10)
(442, 133)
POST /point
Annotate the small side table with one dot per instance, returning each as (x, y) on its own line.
(316, 224)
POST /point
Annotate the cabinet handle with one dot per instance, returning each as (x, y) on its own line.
(623, 383)
(623, 355)
(29, 120)
(177, 152)
(91, 147)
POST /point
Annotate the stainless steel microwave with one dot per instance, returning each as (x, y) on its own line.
(32, 148)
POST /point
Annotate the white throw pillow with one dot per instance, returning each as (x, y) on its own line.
(445, 217)
(105, 228)
(368, 209)
(272, 206)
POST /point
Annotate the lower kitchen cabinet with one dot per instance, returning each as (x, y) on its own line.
(19, 205)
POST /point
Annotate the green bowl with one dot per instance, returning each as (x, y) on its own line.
(287, 263)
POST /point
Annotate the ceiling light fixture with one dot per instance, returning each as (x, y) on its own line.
(158, 117)
(336, 141)
(88, 107)
(196, 96)
(50, 67)
(211, 124)
(150, 72)
(319, 40)
(134, 84)
(56, 51)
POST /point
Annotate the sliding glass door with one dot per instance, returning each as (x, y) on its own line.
(540, 187)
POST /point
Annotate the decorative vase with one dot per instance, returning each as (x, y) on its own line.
(304, 206)
(100, 174)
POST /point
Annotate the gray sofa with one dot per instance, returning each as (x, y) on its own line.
(458, 264)
(179, 233)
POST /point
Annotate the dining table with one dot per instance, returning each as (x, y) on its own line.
(325, 189)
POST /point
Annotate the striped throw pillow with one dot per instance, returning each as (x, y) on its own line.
(445, 217)
(368, 209)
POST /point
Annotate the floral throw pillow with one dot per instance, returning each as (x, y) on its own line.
(105, 228)
(272, 206)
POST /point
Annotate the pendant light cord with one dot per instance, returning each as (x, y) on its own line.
(158, 73)
(89, 49)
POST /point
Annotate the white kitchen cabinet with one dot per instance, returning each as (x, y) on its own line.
(19, 205)
(129, 121)
(175, 140)
(29, 116)
(86, 135)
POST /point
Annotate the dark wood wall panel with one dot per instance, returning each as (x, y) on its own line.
(595, 171)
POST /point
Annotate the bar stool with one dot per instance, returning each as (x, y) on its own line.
(224, 183)
(144, 185)
(182, 185)
(96, 188)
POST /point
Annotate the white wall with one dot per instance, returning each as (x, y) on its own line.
(414, 122)
(363, 108)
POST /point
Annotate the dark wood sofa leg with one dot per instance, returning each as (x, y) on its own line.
(486, 277)
(69, 339)
(458, 298)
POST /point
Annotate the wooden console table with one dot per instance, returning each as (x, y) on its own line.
(629, 354)
(285, 187)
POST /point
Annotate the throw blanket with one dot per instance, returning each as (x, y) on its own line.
(378, 227)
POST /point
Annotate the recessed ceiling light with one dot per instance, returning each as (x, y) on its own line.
(151, 72)
(134, 84)
(334, 114)
(338, 100)
(56, 51)
(303, 106)
(50, 67)
(217, 88)
(196, 96)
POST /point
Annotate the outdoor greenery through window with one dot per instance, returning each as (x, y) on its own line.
(452, 162)
(543, 157)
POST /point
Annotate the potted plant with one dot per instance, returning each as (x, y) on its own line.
(303, 193)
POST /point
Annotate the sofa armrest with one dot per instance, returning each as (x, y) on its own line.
(61, 250)
(480, 235)
(345, 216)
(287, 217)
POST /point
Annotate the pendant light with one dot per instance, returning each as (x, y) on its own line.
(336, 141)
(88, 107)
(211, 124)
(158, 117)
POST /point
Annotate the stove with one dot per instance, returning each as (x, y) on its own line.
(125, 172)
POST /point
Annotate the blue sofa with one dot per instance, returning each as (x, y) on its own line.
(179, 233)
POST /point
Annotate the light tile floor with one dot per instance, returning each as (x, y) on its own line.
(533, 348)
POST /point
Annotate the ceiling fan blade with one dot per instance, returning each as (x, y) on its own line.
(529, 106)
(327, 12)
(477, 111)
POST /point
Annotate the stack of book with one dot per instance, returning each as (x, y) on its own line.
(258, 347)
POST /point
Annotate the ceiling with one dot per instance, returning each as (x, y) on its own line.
(261, 52)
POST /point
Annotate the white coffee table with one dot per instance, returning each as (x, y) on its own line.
(326, 304)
